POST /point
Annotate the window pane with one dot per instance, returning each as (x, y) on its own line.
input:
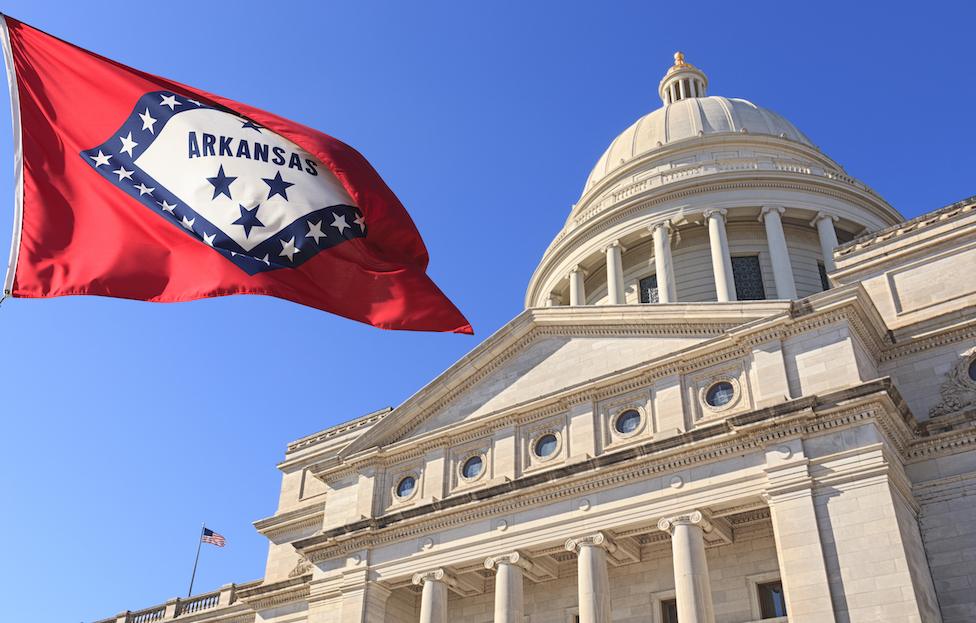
(772, 603)
(824, 282)
(648, 290)
(669, 611)
(748, 278)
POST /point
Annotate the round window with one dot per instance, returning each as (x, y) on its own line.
(972, 370)
(720, 394)
(473, 467)
(406, 486)
(545, 446)
(627, 422)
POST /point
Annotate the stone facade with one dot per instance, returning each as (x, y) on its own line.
(808, 457)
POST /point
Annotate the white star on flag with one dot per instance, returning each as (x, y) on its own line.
(188, 222)
(209, 239)
(100, 158)
(147, 121)
(167, 207)
(143, 189)
(170, 100)
(315, 231)
(340, 222)
(266, 260)
(128, 144)
(193, 101)
(359, 220)
(289, 249)
(122, 173)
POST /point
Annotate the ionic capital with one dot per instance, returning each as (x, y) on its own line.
(578, 269)
(516, 558)
(821, 216)
(434, 575)
(694, 518)
(767, 209)
(720, 212)
(615, 243)
(598, 539)
(666, 225)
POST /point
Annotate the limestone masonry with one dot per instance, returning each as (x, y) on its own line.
(742, 389)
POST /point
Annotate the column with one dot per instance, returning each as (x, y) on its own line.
(828, 238)
(615, 274)
(779, 255)
(509, 605)
(721, 261)
(553, 300)
(592, 577)
(692, 588)
(663, 266)
(433, 600)
(577, 290)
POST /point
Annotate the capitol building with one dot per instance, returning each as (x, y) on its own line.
(743, 389)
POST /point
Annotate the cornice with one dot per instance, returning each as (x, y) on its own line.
(925, 221)
(874, 401)
(291, 521)
(276, 594)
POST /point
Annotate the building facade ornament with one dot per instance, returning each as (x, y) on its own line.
(958, 391)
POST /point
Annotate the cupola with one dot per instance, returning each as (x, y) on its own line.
(683, 81)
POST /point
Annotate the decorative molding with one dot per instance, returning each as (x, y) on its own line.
(920, 222)
(958, 391)
(297, 520)
(276, 594)
(302, 567)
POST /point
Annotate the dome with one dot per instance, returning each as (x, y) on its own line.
(687, 118)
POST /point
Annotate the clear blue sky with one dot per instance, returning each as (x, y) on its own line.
(125, 424)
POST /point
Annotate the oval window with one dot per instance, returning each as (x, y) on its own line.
(627, 422)
(546, 445)
(406, 486)
(972, 370)
(472, 467)
(720, 394)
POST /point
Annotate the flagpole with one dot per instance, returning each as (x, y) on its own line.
(197, 559)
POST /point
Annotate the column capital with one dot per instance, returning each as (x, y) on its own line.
(615, 243)
(666, 225)
(579, 269)
(767, 209)
(433, 575)
(516, 558)
(822, 216)
(597, 539)
(695, 518)
(713, 211)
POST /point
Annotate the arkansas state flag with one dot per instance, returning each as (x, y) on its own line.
(130, 185)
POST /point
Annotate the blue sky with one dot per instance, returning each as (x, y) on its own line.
(124, 425)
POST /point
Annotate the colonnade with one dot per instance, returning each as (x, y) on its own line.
(593, 551)
(715, 220)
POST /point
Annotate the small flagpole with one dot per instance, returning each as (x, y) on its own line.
(197, 559)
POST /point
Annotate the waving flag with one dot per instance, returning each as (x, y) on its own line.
(130, 185)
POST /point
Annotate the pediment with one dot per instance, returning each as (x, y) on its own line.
(545, 351)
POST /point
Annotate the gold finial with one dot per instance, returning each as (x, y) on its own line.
(679, 59)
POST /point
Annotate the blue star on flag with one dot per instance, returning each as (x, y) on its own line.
(221, 183)
(277, 186)
(248, 220)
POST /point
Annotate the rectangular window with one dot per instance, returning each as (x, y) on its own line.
(748, 278)
(648, 290)
(824, 282)
(772, 602)
(669, 611)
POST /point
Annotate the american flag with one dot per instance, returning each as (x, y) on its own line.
(209, 536)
